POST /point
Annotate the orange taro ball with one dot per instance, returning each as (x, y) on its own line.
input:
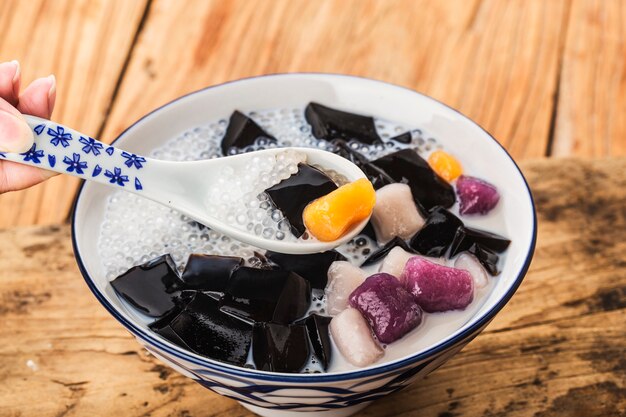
(445, 165)
(331, 216)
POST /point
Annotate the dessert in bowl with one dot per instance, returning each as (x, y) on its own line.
(113, 232)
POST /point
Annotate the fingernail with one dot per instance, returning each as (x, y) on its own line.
(18, 70)
(17, 77)
(52, 93)
(15, 134)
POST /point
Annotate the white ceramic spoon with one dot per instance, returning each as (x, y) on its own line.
(180, 185)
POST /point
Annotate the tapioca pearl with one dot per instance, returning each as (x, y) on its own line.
(276, 215)
(259, 214)
(281, 225)
(207, 248)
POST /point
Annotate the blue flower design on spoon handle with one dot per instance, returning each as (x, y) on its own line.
(62, 149)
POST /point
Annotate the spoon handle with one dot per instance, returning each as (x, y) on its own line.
(62, 149)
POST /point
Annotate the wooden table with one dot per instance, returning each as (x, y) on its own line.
(557, 349)
(546, 77)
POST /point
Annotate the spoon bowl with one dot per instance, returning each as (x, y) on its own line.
(183, 186)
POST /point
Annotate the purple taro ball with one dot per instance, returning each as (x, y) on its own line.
(438, 288)
(387, 306)
(476, 196)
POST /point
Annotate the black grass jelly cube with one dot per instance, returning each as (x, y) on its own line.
(329, 124)
(263, 295)
(204, 329)
(209, 272)
(312, 267)
(242, 131)
(317, 330)
(437, 234)
(280, 348)
(381, 252)
(466, 236)
(152, 288)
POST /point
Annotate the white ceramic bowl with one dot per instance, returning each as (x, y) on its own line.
(337, 394)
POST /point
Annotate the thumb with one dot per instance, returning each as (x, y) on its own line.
(15, 134)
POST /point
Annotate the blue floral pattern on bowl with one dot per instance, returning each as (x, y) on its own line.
(273, 394)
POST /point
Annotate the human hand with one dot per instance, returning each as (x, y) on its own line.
(15, 135)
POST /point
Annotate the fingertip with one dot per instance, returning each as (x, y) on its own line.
(17, 176)
(38, 97)
(15, 134)
(10, 76)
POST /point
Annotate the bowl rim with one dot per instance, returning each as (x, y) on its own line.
(383, 368)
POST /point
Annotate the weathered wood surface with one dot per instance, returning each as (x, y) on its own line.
(545, 77)
(557, 349)
(591, 108)
(490, 59)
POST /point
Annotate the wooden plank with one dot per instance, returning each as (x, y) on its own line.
(496, 61)
(555, 350)
(85, 44)
(592, 96)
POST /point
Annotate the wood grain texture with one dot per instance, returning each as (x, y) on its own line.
(544, 77)
(591, 111)
(85, 44)
(557, 349)
(495, 61)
